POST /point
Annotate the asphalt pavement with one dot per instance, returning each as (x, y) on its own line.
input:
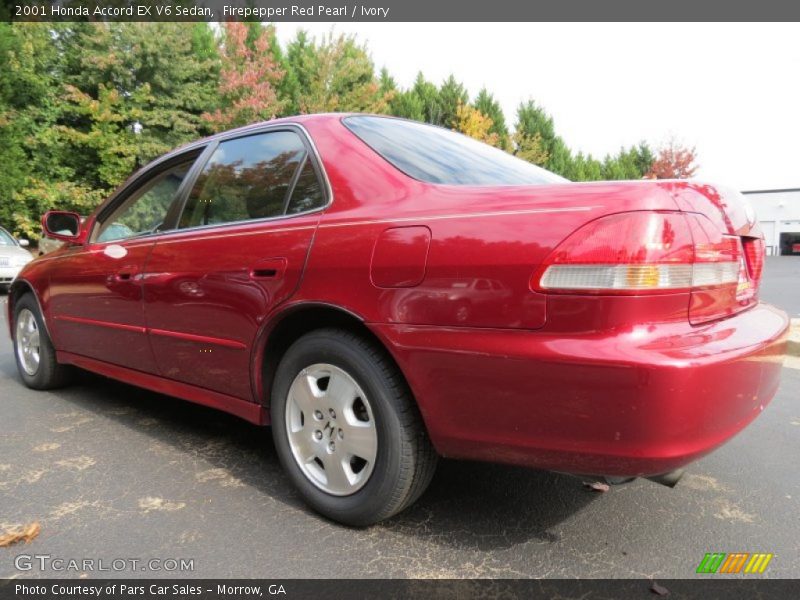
(781, 283)
(115, 472)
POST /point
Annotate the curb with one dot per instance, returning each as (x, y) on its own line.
(793, 345)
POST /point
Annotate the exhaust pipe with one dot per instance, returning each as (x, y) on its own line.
(668, 479)
(616, 480)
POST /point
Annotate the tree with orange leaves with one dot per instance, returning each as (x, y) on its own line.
(472, 122)
(673, 161)
(248, 79)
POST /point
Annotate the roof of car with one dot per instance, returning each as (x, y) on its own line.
(294, 119)
(300, 119)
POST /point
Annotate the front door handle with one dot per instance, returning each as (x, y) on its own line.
(268, 268)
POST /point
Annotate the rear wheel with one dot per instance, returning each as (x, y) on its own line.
(347, 430)
(33, 350)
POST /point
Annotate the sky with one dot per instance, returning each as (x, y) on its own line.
(730, 90)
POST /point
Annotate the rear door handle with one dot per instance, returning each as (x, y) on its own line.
(268, 268)
(126, 273)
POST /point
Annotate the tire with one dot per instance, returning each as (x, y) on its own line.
(48, 373)
(377, 485)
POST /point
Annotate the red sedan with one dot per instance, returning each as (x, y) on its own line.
(384, 292)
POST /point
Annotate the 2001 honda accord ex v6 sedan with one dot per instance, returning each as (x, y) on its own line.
(384, 292)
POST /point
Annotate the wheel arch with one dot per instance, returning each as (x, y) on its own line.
(18, 288)
(295, 321)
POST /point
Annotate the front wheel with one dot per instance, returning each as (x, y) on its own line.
(33, 350)
(347, 429)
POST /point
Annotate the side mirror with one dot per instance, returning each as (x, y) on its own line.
(62, 225)
(24, 243)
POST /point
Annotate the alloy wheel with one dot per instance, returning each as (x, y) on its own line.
(331, 429)
(27, 341)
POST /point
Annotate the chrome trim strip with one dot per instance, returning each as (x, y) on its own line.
(201, 339)
(234, 233)
(189, 337)
(424, 218)
(95, 322)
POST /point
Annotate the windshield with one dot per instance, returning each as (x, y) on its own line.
(438, 155)
(6, 239)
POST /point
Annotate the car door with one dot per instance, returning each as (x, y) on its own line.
(239, 250)
(96, 288)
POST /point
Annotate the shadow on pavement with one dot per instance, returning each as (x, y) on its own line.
(468, 505)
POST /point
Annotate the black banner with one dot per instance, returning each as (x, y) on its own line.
(400, 10)
(250, 589)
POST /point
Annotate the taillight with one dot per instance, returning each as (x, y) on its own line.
(714, 250)
(754, 252)
(649, 253)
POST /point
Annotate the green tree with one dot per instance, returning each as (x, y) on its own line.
(301, 66)
(288, 88)
(532, 119)
(92, 101)
(407, 104)
(585, 168)
(452, 95)
(336, 74)
(534, 123)
(535, 137)
(33, 176)
(530, 147)
(643, 157)
(486, 104)
(83, 104)
(560, 159)
(18, 89)
(386, 82)
(428, 95)
(163, 89)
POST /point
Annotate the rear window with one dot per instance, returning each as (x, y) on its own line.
(438, 155)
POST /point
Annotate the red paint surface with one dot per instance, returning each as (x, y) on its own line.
(619, 385)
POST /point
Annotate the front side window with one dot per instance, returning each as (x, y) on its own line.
(253, 178)
(146, 209)
(438, 155)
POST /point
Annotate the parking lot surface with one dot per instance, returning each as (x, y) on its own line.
(111, 471)
(781, 285)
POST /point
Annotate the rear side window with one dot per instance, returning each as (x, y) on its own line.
(438, 155)
(249, 178)
(307, 194)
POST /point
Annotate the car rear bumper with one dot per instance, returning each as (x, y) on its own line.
(629, 403)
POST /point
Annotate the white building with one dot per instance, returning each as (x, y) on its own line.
(779, 215)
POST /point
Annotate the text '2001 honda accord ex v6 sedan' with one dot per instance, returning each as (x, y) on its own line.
(384, 292)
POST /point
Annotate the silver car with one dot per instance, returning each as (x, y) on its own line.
(13, 257)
